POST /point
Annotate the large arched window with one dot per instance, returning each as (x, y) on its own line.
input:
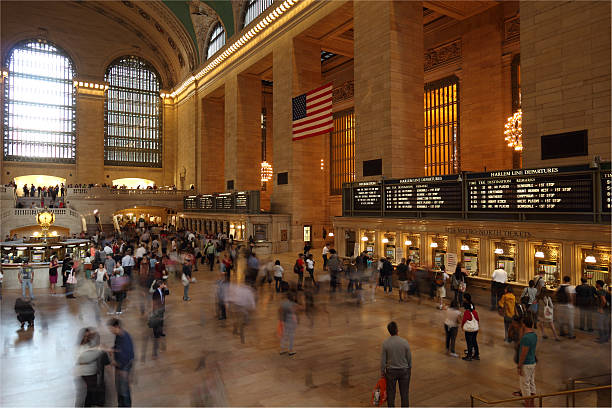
(39, 104)
(133, 114)
(217, 40)
(255, 8)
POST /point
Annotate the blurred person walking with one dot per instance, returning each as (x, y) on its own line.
(287, 313)
(566, 297)
(507, 307)
(122, 359)
(396, 365)
(451, 327)
(585, 300)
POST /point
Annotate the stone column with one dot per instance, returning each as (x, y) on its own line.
(90, 136)
(304, 195)
(243, 131)
(213, 145)
(389, 86)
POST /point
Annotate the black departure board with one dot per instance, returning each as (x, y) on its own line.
(190, 202)
(606, 191)
(224, 201)
(442, 193)
(547, 189)
(207, 202)
(242, 199)
(367, 196)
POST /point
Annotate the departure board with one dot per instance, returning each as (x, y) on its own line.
(606, 191)
(207, 202)
(367, 196)
(224, 201)
(190, 202)
(547, 189)
(441, 193)
(242, 199)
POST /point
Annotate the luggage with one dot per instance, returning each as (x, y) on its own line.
(379, 394)
(284, 286)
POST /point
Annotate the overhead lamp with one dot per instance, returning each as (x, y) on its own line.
(434, 244)
(364, 239)
(590, 259)
(231, 225)
(464, 247)
(539, 254)
(499, 251)
(385, 240)
(407, 242)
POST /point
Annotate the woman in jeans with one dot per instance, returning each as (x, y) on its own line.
(100, 276)
(469, 316)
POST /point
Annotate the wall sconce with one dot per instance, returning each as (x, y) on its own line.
(385, 240)
(90, 85)
(464, 247)
(407, 242)
(322, 165)
(364, 239)
(499, 251)
(590, 259)
(434, 244)
(331, 234)
(539, 254)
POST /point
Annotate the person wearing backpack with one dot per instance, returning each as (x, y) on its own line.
(458, 283)
(585, 300)
(298, 268)
(26, 278)
(603, 312)
(565, 301)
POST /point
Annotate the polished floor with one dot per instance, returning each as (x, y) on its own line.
(337, 360)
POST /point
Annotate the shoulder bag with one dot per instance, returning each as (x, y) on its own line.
(471, 325)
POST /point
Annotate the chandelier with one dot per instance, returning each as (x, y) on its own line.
(266, 171)
(514, 131)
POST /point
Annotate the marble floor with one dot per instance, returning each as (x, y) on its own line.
(337, 360)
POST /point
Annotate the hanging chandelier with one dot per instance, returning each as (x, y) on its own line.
(514, 131)
(266, 171)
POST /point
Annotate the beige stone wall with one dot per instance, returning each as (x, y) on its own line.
(186, 135)
(213, 146)
(389, 86)
(565, 61)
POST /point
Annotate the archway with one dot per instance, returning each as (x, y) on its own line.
(133, 183)
(37, 180)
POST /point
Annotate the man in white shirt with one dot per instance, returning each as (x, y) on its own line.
(325, 252)
(127, 262)
(108, 250)
(498, 281)
(140, 252)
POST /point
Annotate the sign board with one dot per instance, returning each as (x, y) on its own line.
(450, 262)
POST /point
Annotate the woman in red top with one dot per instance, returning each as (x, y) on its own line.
(470, 325)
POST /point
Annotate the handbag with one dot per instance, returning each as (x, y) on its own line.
(72, 280)
(548, 309)
(379, 395)
(462, 286)
(185, 280)
(471, 325)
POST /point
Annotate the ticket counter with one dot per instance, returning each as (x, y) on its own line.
(412, 245)
(547, 259)
(470, 250)
(438, 245)
(595, 264)
(368, 243)
(505, 257)
(390, 246)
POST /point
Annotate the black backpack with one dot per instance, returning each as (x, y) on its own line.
(562, 296)
(296, 268)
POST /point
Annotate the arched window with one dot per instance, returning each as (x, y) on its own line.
(39, 104)
(217, 40)
(133, 112)
(255, 8)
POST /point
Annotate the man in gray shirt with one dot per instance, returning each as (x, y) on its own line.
(396, 364)
(109, 264)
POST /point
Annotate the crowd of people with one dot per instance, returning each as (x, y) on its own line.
(44, 191)
(139, 266)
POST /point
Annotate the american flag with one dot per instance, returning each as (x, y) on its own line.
(312, 113)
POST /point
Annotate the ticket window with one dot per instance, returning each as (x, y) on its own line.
(412, 244)
(596, 265)
(368, 242)
(38, 255)
(350, 238)
(470, 249)
(504, 256)
(547, 259)
(438, 251)
(389, 247)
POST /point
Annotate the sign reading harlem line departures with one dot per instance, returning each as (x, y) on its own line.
(428, 193)
(545, 189)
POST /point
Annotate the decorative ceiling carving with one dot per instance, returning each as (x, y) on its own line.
(442, 55)
(203, 18)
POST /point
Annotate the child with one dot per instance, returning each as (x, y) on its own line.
(451, 326)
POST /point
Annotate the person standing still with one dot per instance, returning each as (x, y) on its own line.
(585, 299)
(395, 365)
(527, 360)
(498, 280)
(26, 278)
(186, 279)
(325, 252)
(507, 306)
(123, 359)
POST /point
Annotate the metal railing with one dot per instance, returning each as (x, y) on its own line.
(540, 397)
